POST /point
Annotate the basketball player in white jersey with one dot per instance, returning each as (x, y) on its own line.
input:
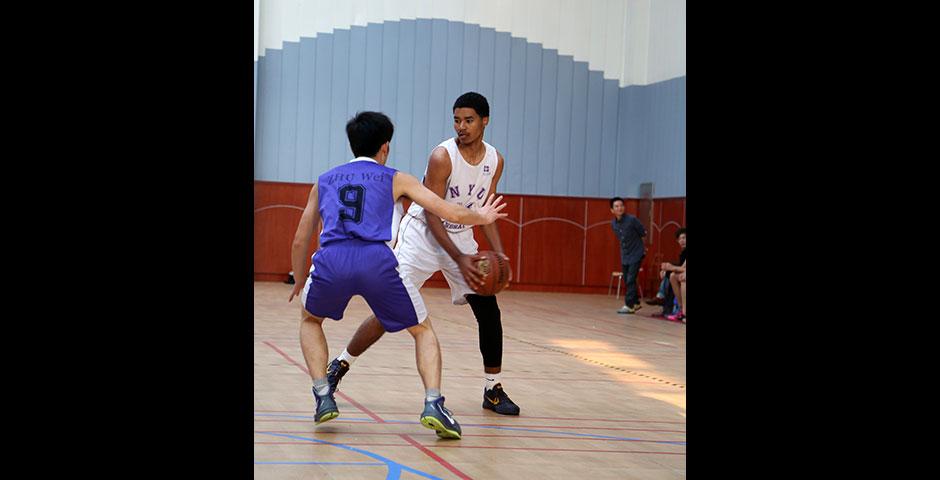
(463, 170)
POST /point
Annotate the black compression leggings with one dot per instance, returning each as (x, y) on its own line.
(486, 311)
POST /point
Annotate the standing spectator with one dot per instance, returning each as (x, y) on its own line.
(630, 232)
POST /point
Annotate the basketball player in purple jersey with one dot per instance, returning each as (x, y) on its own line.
(358, 204)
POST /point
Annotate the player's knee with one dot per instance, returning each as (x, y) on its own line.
(306, 316)
(485, 308)
(374, 327)
(423, 328)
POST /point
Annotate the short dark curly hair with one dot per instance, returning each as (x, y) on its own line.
(475, 101)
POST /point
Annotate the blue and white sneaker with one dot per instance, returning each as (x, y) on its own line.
(326, 407)
(437, 417)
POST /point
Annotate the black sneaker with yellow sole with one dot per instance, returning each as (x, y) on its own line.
(335, 371)
(495, 399)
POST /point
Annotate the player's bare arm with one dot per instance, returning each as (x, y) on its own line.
(309, 221)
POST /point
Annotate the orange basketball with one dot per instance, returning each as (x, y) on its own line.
(495, 270)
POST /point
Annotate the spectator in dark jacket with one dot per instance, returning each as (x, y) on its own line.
(630, 233)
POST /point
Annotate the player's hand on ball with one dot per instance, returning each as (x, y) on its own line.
(471, 274)
(507, 261)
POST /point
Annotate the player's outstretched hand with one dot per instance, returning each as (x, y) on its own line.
(490, 209)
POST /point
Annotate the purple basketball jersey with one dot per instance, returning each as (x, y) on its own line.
(356, 202)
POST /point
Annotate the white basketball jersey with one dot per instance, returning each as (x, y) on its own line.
(397, 213)
(468, 185)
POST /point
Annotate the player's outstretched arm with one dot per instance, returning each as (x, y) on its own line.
(409, 186)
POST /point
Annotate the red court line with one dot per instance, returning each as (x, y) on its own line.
(576, 427)
(611, 323)
(553, 379)
(491, 416)
(489, 435)
(619, 420)
(634, 327)
(341, 394)
(435, 456)
(357, 444)
(598, 330)
(537, 351)
(587, 450)
(304, 421)
(287, 357)
(593, 329)
(385, 343)
(530, 449)
(450, 343)
(450, 348)
(358, 405)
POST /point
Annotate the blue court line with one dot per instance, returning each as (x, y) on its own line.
(589, 435)
(322, 463)
(310, 417)
(573, 434)
(394, 468)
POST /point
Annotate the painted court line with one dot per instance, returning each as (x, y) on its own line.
(492, 416)
(489, 447)
(484, 425)
(375, 417)
(394, 468)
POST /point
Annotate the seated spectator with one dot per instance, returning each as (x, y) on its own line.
(678, 285)
(660, 298)
(665, 273)
(660, 294)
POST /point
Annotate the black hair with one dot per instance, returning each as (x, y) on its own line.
(367, 132)
(680, 232)
(475, 101)
(612, 200)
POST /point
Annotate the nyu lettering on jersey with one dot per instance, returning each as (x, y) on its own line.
(468, 185)
(356, 202)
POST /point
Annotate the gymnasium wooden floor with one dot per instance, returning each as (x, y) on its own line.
(602, 395)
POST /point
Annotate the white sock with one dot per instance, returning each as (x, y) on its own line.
(322, 386)
(346, 356)
(490, 380)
